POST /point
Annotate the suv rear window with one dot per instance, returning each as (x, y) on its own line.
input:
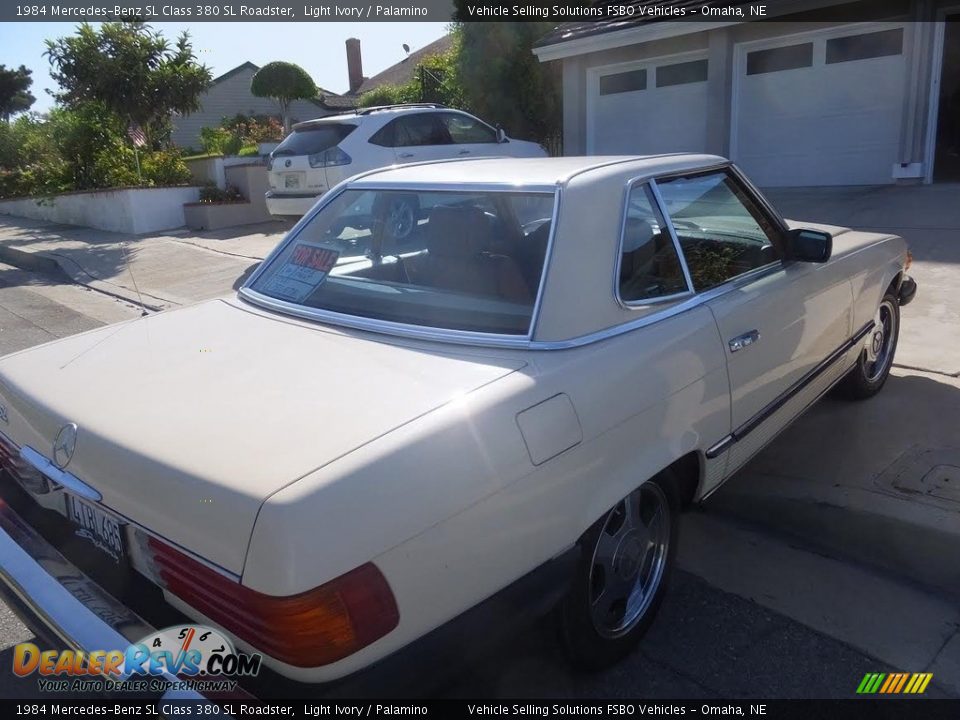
(313, 139)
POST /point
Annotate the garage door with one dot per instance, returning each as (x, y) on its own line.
(820, 109)
(648, 108)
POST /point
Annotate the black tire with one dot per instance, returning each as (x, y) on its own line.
(586, 637)
(872, 369)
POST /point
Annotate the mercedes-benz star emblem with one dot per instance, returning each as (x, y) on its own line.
(288, 163)
(64, 445)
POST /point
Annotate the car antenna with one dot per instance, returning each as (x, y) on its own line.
(126, 261)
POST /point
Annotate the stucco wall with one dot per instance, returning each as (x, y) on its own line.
(229, 97)
(130, 210)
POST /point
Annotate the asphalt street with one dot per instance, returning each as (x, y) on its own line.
(717, 637)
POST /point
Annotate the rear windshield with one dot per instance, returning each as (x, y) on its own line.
(457, 260)
(313, 139)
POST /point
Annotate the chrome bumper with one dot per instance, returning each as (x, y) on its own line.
(56, 600)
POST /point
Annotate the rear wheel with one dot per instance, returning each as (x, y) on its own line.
(876, 358)
(626, 560)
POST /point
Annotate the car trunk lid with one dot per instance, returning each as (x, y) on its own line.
(187, 420)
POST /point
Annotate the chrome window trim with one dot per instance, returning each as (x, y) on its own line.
(398, 329)
(687, 301)
(467, 187)
(662, 206)
(658, 205)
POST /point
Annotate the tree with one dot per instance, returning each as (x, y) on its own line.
(14, 91)
(503, 81)
(132, 71)
(284, 82)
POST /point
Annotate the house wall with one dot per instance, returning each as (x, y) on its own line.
(229, 97)
(719, 42)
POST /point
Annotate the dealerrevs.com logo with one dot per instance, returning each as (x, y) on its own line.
(179, 657)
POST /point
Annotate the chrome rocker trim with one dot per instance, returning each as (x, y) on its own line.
(754, 422)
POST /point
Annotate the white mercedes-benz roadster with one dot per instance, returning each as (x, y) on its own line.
(393, 433)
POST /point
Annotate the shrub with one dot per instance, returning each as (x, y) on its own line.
(220, 141)
(164, 167)
(212, 194)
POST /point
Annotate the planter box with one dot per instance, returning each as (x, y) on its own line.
(127, 210)
(213, 216)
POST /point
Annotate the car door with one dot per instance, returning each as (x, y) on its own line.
(779, 321)
(417, 137)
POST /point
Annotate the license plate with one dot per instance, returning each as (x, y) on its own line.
(102, 530)
(291, 181)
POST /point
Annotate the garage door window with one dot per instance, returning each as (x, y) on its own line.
(864, 47)
(649, 265)
(623, 82)
(790, 57)
(721, 230)
(682, 73)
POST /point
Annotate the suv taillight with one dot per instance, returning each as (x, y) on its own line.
(312, 628)
(329, 158)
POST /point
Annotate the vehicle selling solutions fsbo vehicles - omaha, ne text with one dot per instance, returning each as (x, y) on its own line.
(385, 432)
(319, 154)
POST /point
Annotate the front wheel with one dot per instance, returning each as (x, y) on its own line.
(872, 369)
(626, 560)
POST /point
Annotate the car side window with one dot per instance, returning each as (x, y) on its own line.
(464, 129)
(420, 129)
(722, 231)
(649, 265)
(386, 136)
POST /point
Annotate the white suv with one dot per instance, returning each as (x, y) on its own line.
(318, 154)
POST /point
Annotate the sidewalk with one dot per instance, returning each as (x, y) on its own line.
(167, 271)
(928, 218)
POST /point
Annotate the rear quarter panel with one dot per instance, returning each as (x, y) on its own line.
(452, 508)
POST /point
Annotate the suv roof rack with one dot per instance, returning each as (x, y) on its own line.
(367, 111)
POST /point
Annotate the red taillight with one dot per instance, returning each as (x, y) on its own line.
(313, 628)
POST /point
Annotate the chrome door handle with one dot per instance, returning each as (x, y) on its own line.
(741, 341)
(463, 152)
(406, 155)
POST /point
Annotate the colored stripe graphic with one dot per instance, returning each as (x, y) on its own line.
(894, 683)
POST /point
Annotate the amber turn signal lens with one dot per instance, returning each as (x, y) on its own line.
(313, 628)
(909, 262)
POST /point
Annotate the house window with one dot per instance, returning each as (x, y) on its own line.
(629, 81)
(790, 57)
(862, 47)
(682, 73)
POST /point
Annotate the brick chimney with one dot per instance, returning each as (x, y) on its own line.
(354, 64)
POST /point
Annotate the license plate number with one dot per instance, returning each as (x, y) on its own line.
(291, 181)
(102, 530)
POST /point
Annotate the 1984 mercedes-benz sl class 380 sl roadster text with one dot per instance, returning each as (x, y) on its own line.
(388, 435)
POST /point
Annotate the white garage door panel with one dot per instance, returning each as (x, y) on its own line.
(836, 124)
(651, 121)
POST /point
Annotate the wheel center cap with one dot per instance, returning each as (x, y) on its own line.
(628, 556)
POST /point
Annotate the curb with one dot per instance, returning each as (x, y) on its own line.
(912, 539)
(33, 262)
(40, 263)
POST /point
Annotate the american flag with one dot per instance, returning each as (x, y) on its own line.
(135, 133)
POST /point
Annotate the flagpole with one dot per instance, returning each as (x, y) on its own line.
(136, 158)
